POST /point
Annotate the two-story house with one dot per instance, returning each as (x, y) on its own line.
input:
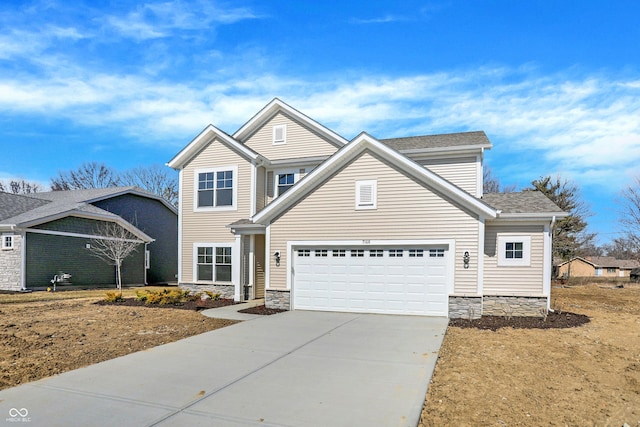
(288, 210)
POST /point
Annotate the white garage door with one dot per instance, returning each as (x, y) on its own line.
(404, 280)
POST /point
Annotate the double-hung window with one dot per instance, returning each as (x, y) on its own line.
(216, 188)
(213, 263)
(285, 181)
(514, 250)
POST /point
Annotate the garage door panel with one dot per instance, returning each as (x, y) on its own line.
(396, 281)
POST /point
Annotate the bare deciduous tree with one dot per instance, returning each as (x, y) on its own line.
(630, 218)
(88, 175)
(19, 186)
(155, 179)
(114, 246)
(491, 184)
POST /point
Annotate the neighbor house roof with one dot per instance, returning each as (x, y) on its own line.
(15, 204)
(50, 206)
(606, 261)
(448, 141)
(523, 204)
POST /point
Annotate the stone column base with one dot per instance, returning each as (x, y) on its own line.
(277, 299)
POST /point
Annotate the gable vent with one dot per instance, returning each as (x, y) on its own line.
(366, 194)
(280, 134)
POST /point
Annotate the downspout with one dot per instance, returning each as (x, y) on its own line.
(23, 261)
(553, 222)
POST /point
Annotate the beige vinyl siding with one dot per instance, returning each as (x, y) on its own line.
(301, 141)
(261, 188)
(462, 172)
(211, 226)
(500, 280)
(405, 210)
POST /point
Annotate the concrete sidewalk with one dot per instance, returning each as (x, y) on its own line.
(291, 369)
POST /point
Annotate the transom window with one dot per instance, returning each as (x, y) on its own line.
(321, 252)
(214, 263)
(304, 252)
(7, 241)
(216, 188)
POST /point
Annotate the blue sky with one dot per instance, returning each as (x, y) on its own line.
(554, 84)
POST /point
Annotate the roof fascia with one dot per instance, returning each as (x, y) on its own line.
(98, 217)
(461, 149)
(542, 216)
(275, 106)
(350, 151)
(205, 137)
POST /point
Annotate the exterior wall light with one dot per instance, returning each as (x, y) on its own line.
(465, 259)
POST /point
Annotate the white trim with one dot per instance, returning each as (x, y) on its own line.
(252, 264)
(374, 194)
(547, 263)
(279, 141)
(180, 217)
(207, 136)
(449, 254)
(78, 235)
(23, 261)
(214, 245)
(267, 258)
(236, 267)
(481, 236)
(215, 170)
(479, 174)
(525, 261)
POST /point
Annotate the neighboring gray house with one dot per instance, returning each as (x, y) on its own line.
(44, 234)
(288, 210)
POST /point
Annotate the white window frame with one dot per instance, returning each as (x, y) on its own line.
(10, 244)
(373, 204)
(283, 129)
(215, 246)
(276, 176)
(503, 261)
(233, 206)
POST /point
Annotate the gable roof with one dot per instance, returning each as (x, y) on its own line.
(433, 143)
(343, 156)
(526, 204)
(205, 137)
(277, 106)
(53, 205)
(605, 261)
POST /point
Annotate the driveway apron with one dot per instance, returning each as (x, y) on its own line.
(298, 368)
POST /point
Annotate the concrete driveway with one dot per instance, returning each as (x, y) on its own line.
(298, 368)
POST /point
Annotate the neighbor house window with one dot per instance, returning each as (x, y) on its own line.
(7, 241)
(213, 263)
(514, 250)
(216, 188)
(279, 134)
(366, 197)
(611, 269)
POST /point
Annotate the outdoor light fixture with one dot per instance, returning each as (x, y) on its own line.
(276, 254)
(465, 259)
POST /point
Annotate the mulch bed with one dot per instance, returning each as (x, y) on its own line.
(554, 320)
(261, 309)
(187, 305)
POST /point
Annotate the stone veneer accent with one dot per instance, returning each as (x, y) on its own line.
(277, 299)
(465, 307)
(11, 266)
(514, 306)
(225, 291)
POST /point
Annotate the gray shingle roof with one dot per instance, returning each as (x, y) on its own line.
(15, 204)
(525, 202)
(438, 141)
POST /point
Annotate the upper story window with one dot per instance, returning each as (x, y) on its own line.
(514, 251)
(216, 189)
(279, 134)
(285, 181)
(366, 194)
(7, 241)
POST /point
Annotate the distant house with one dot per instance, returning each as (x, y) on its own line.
(45, 234)
(603, 266)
